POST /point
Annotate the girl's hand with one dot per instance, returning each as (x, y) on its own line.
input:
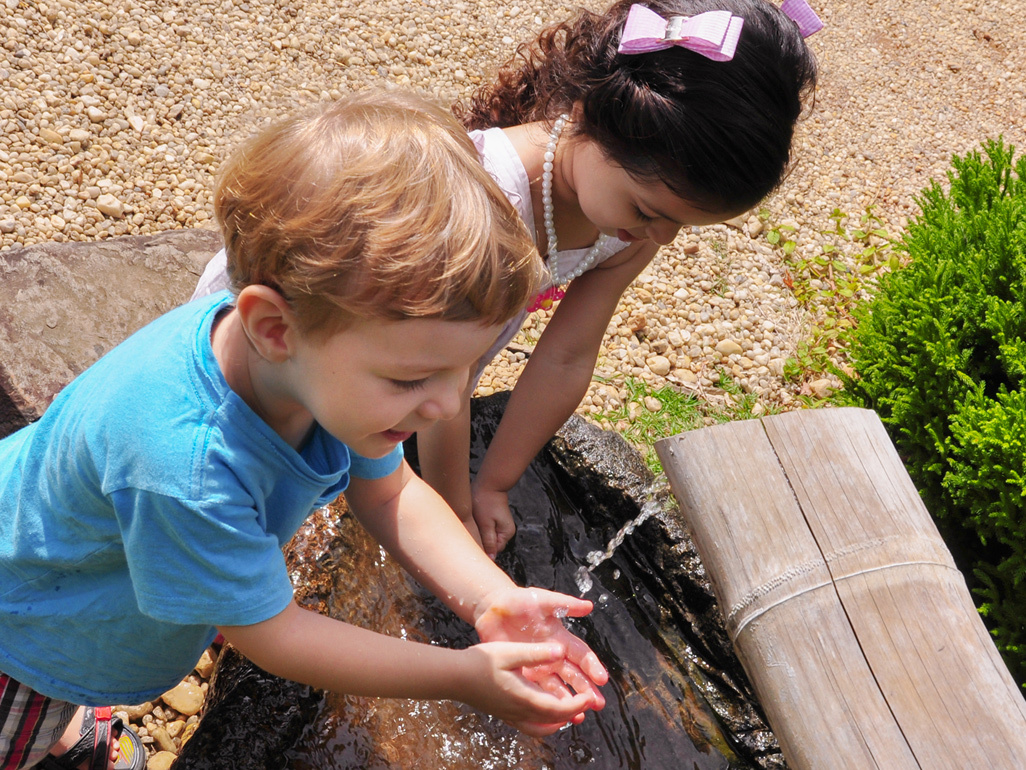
(535, 615)
(494, 520)
(495, 682)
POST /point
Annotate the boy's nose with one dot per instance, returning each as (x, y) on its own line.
(445, 402)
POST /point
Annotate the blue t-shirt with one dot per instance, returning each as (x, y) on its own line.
(148, 505)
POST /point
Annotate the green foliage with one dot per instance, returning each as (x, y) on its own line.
(940, 354)
(831, 283)
(675, 412)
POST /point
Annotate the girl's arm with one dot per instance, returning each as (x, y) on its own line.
(444, 453)
(550, 388)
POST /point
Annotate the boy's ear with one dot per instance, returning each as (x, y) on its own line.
(268, 321)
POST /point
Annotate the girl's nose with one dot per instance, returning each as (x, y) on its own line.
(663, 232)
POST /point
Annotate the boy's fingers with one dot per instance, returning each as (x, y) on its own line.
(541, 729)
(583, 685)
(553, 685)
(588, 662)
(563, 605)
(557, 684)
(536, 654)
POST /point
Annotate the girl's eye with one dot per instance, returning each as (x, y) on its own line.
(644, 217)
(409, 385)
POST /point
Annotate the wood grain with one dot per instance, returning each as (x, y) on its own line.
(843, 603)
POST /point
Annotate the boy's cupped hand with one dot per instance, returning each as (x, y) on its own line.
(498, 684)
(570, 674)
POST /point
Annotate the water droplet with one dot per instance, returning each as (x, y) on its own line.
(583, 579)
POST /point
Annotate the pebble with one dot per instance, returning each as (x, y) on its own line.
(185, 698)
(728, 347)
(110, 206)
(163, 739)
(205, 666)
(161, 760)
(659, 365)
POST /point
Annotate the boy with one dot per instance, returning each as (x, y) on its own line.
(372, 262)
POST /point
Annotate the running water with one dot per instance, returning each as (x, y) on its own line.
(671, 701)
(656, 716)
(595, 558)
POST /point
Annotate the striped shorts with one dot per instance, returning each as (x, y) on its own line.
(30, 723)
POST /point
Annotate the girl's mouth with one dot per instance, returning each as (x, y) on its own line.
(626, 237)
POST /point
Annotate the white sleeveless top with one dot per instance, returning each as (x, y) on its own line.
(500, 160)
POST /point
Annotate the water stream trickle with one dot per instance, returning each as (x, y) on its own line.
(595, 558)
(671, 691)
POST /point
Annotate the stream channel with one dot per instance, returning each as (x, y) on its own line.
(677, 696)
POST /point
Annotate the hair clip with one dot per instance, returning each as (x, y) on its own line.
(802, 14)
(713, 34)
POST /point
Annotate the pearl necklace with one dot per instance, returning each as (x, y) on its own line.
(548, 211)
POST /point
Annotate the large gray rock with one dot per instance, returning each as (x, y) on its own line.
(63, 305)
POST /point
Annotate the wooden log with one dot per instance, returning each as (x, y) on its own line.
(842, 601)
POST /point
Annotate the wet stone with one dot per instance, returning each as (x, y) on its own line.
(677, 697)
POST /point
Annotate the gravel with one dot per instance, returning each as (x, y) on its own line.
(116, 114)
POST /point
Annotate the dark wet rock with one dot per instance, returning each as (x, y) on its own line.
(690, 628)
(274, 712)
(678, 696)
(63, 305)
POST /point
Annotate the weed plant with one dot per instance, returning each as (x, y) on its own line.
(831, 284)
(678, 411)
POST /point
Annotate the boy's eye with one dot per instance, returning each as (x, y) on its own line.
(408, 385)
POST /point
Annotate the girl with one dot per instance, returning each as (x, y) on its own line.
(609, 139)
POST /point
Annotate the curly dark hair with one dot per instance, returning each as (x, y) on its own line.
(718, 134)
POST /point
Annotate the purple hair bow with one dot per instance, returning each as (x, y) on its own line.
(713, 34)
(801, 14)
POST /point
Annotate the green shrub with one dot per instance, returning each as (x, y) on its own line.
(940, 354)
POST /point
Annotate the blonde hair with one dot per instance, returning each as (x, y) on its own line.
(376, 206)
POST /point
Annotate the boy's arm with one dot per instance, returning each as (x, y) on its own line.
(549, 389)
(419, 530)
(520, 683)
(313, 649)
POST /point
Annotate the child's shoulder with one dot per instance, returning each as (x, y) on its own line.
(503, 162)
(169, 346)
(163, 373)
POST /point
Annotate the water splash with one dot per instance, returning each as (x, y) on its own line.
(594, 558)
